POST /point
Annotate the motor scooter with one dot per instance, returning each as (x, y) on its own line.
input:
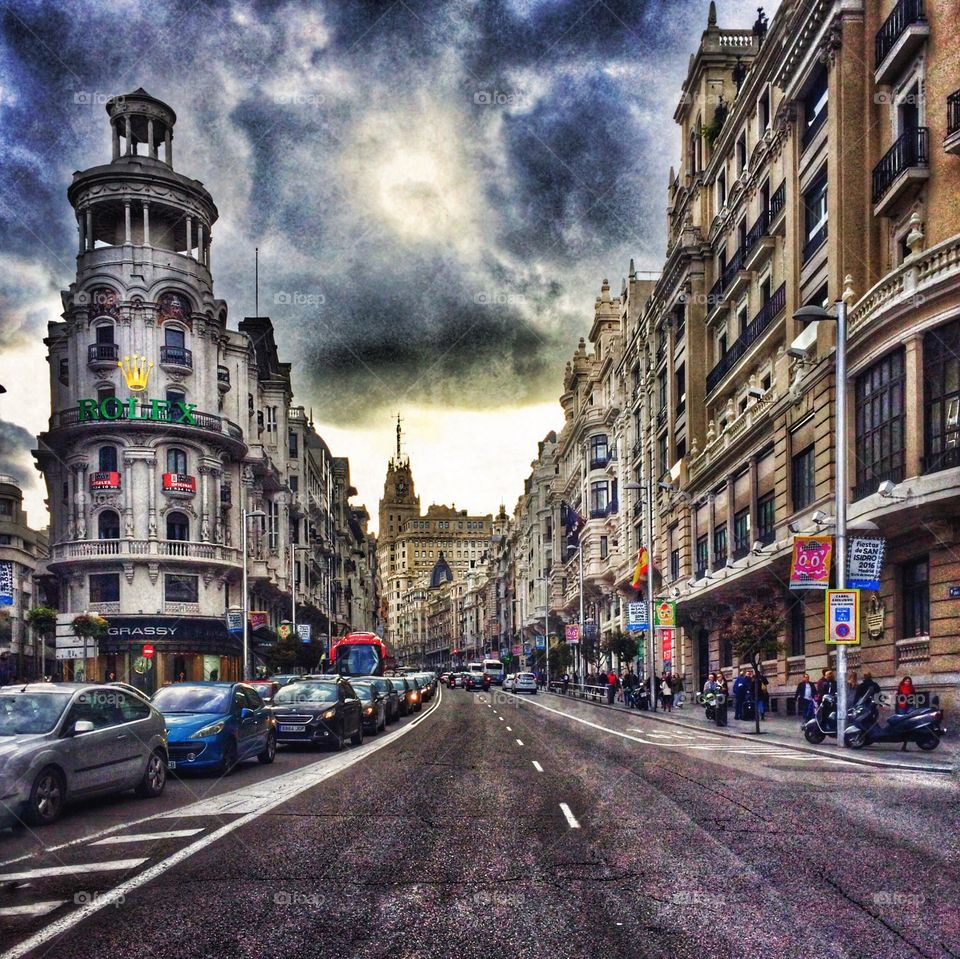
(922, 725)
(823, 723)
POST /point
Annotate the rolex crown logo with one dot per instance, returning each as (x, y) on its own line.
(136, 371)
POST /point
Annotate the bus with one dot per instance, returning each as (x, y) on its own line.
(494, 669)
(359, 654)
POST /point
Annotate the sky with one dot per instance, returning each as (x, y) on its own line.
(437, 189)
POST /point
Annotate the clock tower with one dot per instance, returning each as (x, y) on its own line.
(399, 502)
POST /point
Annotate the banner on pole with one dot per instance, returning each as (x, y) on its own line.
(664, 613)
(637, 616)
(6, 583)
(572, 633)
(865, 562)
(303, 631)
(810, 563)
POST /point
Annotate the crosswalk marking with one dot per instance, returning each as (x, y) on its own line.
(147, 837)
(117, 865)
(32, 908)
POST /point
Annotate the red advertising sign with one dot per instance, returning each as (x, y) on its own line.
(108, 480)
(259, 618)
(810, 564)
(572, 633)
(148, 650)
(667, 635)
(179, 483)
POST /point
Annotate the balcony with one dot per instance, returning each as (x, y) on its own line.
(179, 484)
(740, 552)
(759, 243)
(947, 459)
(897, 42)
(778, 203)
(94, 548)
(719, 562)
(223, 379)
(867, 487)
(598, 513)
(176, 358)
(903, 166)
(101, 356)
(105, 481)
(766, 315)
(700, 572)
(951, 142)
(814, 243)
(661, 417)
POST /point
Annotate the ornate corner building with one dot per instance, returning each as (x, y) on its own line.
(166, 424)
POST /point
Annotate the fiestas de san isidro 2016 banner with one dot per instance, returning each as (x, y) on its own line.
(810, 564)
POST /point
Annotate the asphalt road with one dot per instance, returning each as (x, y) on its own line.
(491, 825)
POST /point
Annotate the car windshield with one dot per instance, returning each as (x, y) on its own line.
(306, 693)
(24, 713)
(194, 699)
(383, 685)
(264, 689)
(413, 682)
(358, 659)
(363, 691)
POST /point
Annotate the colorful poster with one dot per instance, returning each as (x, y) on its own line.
(572, 633)
(810, 563)
(664, 613)
(667, 636)
(6, 583)
(865, 562)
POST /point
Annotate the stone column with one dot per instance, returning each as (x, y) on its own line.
(207, 258)
(80, 499)
(152, 498)
(168, 147)
(204, 505)
(82, 231)
(189, 236)
(126, 480)
(731, 509)
(217, 476)
(127, 234)
(116, 139)
(146, 223)
(711, 523)
(199, 242)
(754, 496)
(913, 406)
(126, 127)
(89, 231)
(151, 145)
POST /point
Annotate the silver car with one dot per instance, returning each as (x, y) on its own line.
(65, 741)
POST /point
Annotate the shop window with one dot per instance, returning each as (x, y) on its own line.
(915, 582)
(181, 588)
(104, 587)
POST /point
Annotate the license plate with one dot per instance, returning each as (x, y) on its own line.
(287, 728)
(172, 764)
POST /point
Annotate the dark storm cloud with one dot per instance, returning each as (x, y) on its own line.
(285, 109)
(15, 458)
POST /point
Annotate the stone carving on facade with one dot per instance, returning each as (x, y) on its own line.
(831, 43)
(152, 525)
(205, 530)
(128, 572)
(153, 569)
(876, 617)
(915, 237)
(174, 306)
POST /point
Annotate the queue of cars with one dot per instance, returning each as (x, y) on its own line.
(61, 742)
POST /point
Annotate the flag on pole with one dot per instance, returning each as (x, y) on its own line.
(641, 568)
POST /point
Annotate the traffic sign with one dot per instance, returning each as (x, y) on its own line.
(843, 617)
(235, 620)
(148, 650)
(541, 642)
(637, 616)
(303, 631)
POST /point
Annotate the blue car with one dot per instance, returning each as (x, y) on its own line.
(214, 726)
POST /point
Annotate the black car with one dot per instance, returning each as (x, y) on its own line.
(374, 706)
(390, 692)
(476, 681)
(409, 694)
(319, 712)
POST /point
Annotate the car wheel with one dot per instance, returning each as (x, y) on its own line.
(154, 776)
(814, 735)
(229, 760)
(357, 738)
(269, 751)
(928, 741)
(46, 798)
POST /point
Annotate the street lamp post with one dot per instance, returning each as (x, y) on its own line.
(294, 549)
(246, 515)
(806, 314)
(648, 524)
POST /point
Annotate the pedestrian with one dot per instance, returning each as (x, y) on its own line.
(723, 687)
(763, 695)
(867, 685)
(6, 668)
(666, 693)
(612, 687)
(827, 684)
(565, 683)
(710, 689)
(805, 697)
(740, 687)
(656, 691)
(905, 693)
(852, 683)
(676, 685)
(629, 684)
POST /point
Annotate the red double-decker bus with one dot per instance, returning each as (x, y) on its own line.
(359, 654)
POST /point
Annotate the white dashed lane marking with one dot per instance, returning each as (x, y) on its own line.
(118, 865)
(537, 766)
(32, 909)
(519, 742)
(147, 837)
(571, 819)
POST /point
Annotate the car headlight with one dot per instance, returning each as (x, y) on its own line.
(368, 711)
(212, 730)
(329, 714)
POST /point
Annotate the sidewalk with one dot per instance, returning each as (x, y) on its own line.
(785, 731)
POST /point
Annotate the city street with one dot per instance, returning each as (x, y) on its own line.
(558, 827)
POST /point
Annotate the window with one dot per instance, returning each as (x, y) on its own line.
(766, 518)
(107, 459)
(720, 545)
(803, 482)
(6, 539)
(178, 527)
(743, 319)
(105, 334)
(675, 564)
(662, 391)
(599, 499)
(6, 507)
(798, 629)
(915, 580)
(176, 460)
(663, 453)
(108, 524)
(104, 587)
(105, 393)
(173, 398)
(815, 105)
(681, 388)
(599, 452)
(273, 524)
(722, 188)
(132, 708)
(763, 110)
(604, 547)
(703, 554)
(294, 483)
(814, 216)
(172, 337)
(271, 419)
(742, 152)
(880, 420)
(941, 415)
(741, 533)
(292, 445)
(721, 343)
(726, 652)
(180, 589)
(65, 372)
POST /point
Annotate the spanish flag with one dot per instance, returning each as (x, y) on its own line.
(641, 568)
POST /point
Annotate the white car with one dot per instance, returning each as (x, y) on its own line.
(524, 683)
(508, 682)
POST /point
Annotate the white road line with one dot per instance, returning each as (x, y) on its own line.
(32, 909)
(537, 766)
(117, 865)
(501, 718)
(118, 893)
(147, 836)
(519, 742)
(509, 729)
(571, 819)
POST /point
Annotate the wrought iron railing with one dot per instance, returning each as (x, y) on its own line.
(911, 149)
(176, 356)
(905, 13)
(103, 352)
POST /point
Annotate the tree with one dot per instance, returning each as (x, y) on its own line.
(43, 619)
(754, 631)
(561, 657)
(622, 645)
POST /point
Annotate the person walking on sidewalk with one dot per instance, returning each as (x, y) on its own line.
(805, 696)
(656, 691)
(612, 686)
(676, 684)
(565, 683)
(741, 686)
(629, 685)
(666, 693)
(763, 695)
(867, 685)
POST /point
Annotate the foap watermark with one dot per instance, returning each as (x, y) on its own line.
(300, 98)
(498, 298)
(298, 298)
(499, 98)
(899, 99)
(284, 897)
(902, 900)
(94, 98)
(497, 899)
(87, 896)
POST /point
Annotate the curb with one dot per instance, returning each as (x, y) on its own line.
(799, 747)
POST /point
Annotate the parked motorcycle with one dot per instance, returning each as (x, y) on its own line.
(921, 725)
(823, 722)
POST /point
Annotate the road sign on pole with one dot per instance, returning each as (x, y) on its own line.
(843, 617)
(637, 616)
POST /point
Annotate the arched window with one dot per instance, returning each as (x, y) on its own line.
(178, 527)
(108, 459)
(174, 337)
(108, 524)
(105, 334)
(176, 460)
